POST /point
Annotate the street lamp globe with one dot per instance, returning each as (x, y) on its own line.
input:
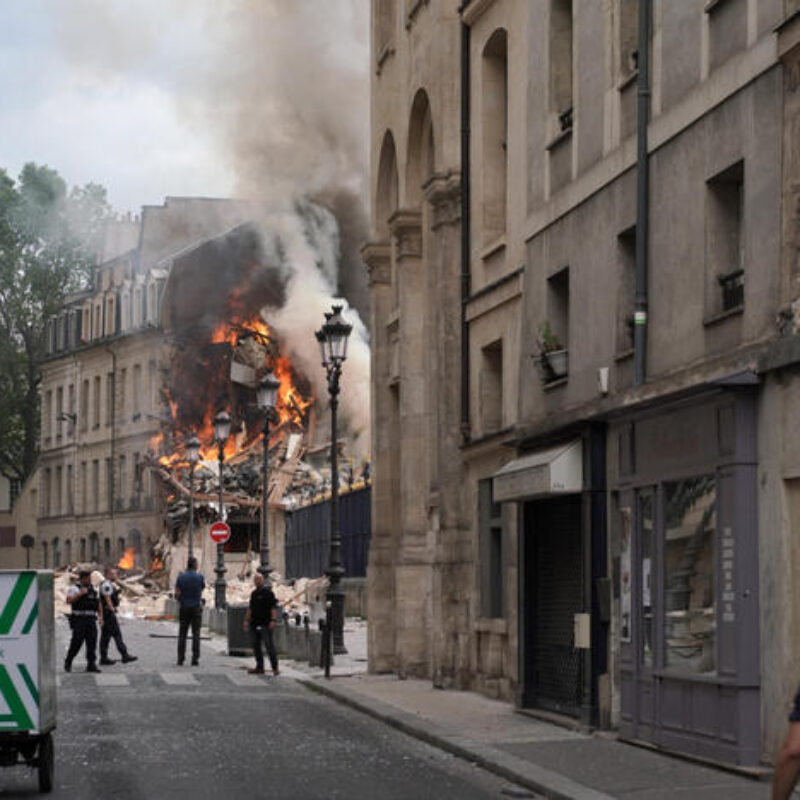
(267, 392)
(193, 450)
(222, 426)
(332, 337)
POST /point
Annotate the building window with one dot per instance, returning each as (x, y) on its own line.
(561, 61)
(490, 516)
(110, 399)
(84, 488)
(136, 389)
(94, 547)
(48, 414)
(59, 411)
(96, 400)
(56, 552)
(494, 128)
(123, 384)
(85, 405)
(44, 555)
(152, 384)
(71, 401)
(491, 387)
(59, 491)
(121, 546)
(109, 464)
(558, 306)
(137, 481)
(628, 37)
(727, 32)
(626, 299)
(70, 491)
(725, 245)
(83, 549)
(123, 481)
(97, 330)
(68, 551)
(689, 565)
(8, 536)
(106, 549)
(46, 489)
(96, 485)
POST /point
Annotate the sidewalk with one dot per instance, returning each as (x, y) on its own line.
(544, 757)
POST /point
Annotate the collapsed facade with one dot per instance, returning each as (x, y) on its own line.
(586, 494)
(170, 333)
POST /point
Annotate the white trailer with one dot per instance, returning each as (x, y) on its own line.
(27, 672)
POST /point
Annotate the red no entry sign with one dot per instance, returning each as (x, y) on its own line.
(220, 532)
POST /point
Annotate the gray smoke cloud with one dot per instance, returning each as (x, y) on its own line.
(282, 88)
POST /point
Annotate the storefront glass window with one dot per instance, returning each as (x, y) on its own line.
(689, 557)
(645, 566)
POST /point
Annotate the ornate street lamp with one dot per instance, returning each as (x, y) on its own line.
(332, 339)
(267, 395)
(222, 430)
(193, 454)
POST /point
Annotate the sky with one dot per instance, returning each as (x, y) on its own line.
(155, 97)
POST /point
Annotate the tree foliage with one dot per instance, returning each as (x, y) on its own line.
(48, 238)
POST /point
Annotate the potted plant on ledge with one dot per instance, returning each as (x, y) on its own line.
(553, 356)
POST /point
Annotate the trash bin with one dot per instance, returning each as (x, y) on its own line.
(239, 643)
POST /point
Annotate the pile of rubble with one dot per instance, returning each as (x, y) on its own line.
(144, 593)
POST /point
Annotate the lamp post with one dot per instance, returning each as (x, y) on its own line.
(267, 395)
(222, 430)
(193, 454)
(332, 339)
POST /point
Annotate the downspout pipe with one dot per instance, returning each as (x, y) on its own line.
(465, 226)
(642, 194)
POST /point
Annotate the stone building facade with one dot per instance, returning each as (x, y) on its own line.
(586, 474)
(101, 382)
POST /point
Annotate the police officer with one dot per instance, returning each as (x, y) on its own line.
(86, 610)
(109, 597)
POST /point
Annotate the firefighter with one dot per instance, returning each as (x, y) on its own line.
(86, 611)
(109, 597)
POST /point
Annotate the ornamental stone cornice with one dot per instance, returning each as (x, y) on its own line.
(406, 228)
(443, 192)
(377, 256)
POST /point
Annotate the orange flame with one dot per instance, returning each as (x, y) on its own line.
(126, 562)
(156, 565)
(291, 405)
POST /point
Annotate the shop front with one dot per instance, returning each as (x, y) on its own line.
(684, 529)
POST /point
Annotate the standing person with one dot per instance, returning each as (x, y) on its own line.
(109, 596)
(86, 610)
(787, 769)
(261, 618)
(189, 593)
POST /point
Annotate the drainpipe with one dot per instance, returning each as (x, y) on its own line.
(465, 227)
(642, 193)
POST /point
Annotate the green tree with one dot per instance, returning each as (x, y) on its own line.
(48, 238)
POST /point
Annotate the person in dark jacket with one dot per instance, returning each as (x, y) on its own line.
(109, 597)
(261, 618)
(86, 611)
(189, 593)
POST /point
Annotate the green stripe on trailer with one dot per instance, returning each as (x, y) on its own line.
(31, 619)
(15, 601)
(26, 676)
(18, 716)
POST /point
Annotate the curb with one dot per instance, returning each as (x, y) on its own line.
(552, 784)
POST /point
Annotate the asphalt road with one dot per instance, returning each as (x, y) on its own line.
(155, 730)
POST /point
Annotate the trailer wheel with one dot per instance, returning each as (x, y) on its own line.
(46, 763)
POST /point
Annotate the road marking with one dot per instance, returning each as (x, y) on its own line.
(112, 680)
(178, 678)
(243, 679)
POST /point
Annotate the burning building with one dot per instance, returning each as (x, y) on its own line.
(174, 329)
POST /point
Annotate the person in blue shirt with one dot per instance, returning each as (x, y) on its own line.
(189, 593)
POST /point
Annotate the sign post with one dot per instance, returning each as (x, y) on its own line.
(220, 532)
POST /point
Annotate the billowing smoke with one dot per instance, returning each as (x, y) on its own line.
(282, 87)
(288, 99)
